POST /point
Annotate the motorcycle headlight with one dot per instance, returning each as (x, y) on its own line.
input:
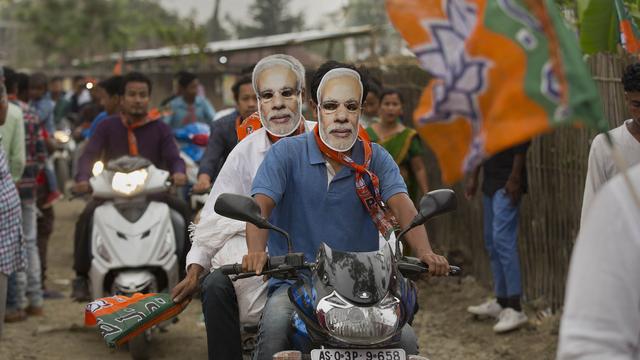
(359, 325)
(61, 136)
(129, 183)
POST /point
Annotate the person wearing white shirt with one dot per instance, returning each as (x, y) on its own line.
(626, 138)
(601, 318)
(278, 81)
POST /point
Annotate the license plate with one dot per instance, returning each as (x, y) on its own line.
(346, 354)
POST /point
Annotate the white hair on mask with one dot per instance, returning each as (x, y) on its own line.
(335, 73)
(294, 65)
(279, 60)
(332, 74)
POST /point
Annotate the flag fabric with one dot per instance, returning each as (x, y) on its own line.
(120, 318)
(504, 71)
(629, 33)
(605, 25)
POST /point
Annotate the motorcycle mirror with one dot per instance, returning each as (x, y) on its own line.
(245, 208)
(432, 204)
(435, 203)
(240, 207)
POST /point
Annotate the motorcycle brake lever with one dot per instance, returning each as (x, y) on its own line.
(280, 269)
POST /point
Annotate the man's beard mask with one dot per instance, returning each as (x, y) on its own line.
(337, 142)
(283, 122)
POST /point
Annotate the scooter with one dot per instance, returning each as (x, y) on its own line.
(133, 239)
(349, 305)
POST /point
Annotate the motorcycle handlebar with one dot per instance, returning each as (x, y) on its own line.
(413, 266)
(408, 266)
(273, 263)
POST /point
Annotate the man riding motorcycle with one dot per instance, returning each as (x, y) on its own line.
(134, 133)
(327, 186)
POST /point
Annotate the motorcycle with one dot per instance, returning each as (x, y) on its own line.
(349, 305)
(62, 156)
(192, 140)
(133, 239)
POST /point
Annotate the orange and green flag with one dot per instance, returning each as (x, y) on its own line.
(120, 318)
(606, 24)
(629, 34)
(504, 71)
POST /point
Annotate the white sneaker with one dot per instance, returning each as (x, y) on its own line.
(488, 308)
(510, 319)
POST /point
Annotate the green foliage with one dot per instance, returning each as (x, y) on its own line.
(215, 30)
(598, 22)
(270, 17)
(364, 12)
(64, 30)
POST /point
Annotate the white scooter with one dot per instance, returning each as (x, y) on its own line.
(133, 239)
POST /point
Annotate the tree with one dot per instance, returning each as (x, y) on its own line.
(66, 30)
(270, 17)
(214, 28)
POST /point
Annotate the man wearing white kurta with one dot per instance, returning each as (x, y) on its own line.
(278, 81)
(626, 138)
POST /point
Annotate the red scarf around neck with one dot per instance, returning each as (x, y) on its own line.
(372, 201)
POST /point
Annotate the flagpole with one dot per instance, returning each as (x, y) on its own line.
(623, 167)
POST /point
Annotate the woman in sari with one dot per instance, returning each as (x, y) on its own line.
(401, 142)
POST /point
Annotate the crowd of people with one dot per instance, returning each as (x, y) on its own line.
(348, 176)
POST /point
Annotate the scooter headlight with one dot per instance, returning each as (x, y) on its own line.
(61, 136)
(129, 183)
(98, 168)
(359, 325)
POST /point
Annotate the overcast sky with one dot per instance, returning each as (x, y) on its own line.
(238, 8)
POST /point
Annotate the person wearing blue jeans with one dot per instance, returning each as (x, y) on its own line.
(504, 183)
(25, 294)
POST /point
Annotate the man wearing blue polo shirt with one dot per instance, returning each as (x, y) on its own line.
(313, 186)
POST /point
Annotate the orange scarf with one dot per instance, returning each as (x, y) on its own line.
(253, 123)
(153, 115)
(372, 200)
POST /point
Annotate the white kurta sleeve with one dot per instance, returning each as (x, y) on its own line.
(596, 174)
(601, 315)
(207, 238)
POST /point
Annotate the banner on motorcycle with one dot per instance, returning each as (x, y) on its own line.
(121, 318)
(504, 71)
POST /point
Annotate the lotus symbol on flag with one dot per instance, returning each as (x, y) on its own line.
(462, 78)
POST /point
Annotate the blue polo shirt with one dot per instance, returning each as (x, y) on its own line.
(294, 175)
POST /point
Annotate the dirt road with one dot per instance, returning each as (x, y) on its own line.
(445, 330)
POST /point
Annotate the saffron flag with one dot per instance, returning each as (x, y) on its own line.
(120, 318)
(604, 25)
(504, 72)
(629, 34)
